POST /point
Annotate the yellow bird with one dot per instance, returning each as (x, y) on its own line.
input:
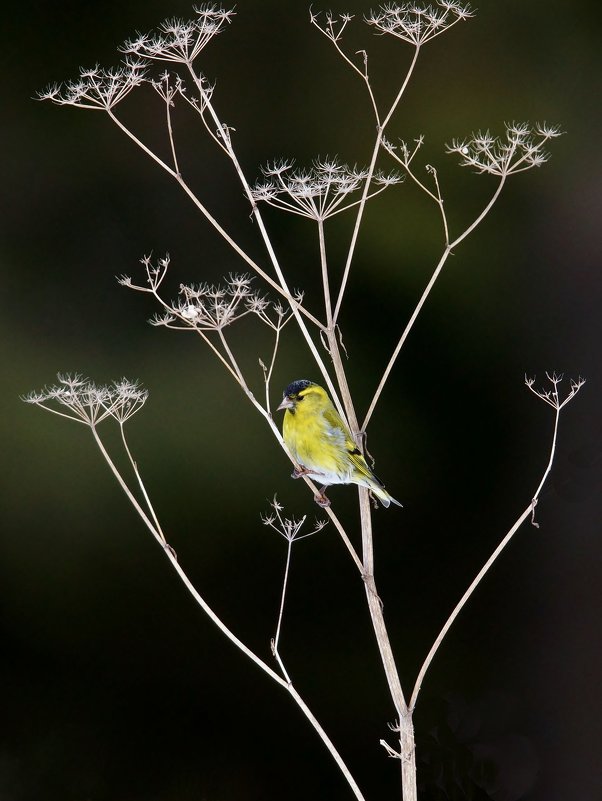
(322, 445)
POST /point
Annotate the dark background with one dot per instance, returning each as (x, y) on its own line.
(114, 685)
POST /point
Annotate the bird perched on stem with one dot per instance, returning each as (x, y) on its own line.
(321, 443)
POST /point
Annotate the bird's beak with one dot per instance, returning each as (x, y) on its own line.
(286, 404)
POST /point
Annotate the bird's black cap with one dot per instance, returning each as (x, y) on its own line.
(296, 387)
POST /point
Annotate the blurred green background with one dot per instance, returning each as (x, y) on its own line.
(114, 685)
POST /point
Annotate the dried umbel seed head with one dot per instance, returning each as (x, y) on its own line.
(521, 149)
(78, 398)
(317, 192)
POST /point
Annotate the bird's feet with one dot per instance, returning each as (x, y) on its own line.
(321, 499)
(301, 471)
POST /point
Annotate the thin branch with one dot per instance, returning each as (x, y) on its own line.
(268, 376)
(284, 290)
(130, 496)
(339, 527)
(232, 359)
(61, 414)
(226, 631)
(327, 742)
(448, 249)
(362, 205)
(406, 163)
(334, 38)
(141, 484)
(220, 230)
(462, 602)
(478, 220)
(375, 606)
(529, 511)
(172, 143)
(196, 329)
(325, 280)
(276, 640)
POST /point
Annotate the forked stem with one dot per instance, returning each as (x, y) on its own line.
(488, 564)
(284, 683)
(447, 251)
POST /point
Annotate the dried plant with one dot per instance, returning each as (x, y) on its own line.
(318, 192)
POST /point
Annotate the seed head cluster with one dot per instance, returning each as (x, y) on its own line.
(179, 40)
(417, 24)
(521, 149)
(318, 192)
(78, 398)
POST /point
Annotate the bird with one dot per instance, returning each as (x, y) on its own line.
(321, 444)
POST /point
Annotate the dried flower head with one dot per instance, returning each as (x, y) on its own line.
(333, 25)
(418, 24)
(288, 527)
(208, 307)
(318, 192)
(552, 396)
(180, 40)
(98, 88)
(77, 398)
(520, 150)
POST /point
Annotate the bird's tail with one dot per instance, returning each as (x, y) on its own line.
(383, 496)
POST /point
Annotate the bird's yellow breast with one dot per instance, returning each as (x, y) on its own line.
(313, 442)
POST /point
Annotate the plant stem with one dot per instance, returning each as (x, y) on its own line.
(327, 742)
(211, 219)
(461, 603)
(407, 752)
(404, 716)
(287, 685)
(295, 306)
(276, 639)
(446, 252)
(404, 336)
(375, 151)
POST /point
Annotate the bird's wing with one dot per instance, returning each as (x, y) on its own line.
(338, 427)
(361, 465)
